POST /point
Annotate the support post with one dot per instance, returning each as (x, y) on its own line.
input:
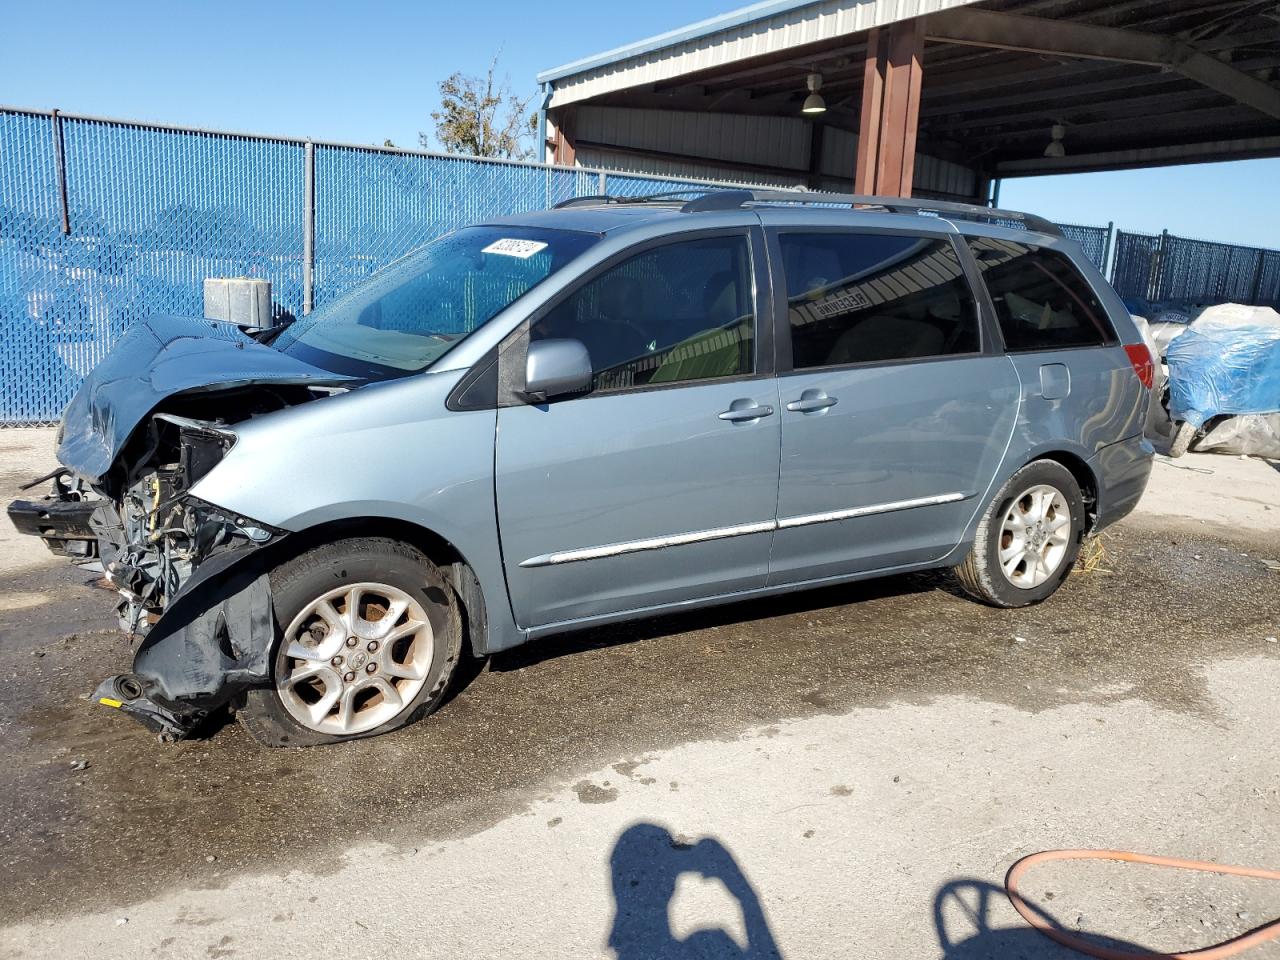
(308, 225)
(60, 164)
(1157, 267)
(814, 178)
(1255, 288)
(603, 179)
(890, 115)
(542, 122)
(565, 151)
(867, 161)
(1104, 269)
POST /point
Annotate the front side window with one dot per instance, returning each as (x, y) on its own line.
(679, 312)
(408, 315)
(1041, 300)
(864, 298)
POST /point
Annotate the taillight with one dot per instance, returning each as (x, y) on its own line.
(1143, 365)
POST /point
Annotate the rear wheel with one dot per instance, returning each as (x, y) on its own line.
(1183, 434)
(1028, 538)
(368, 637)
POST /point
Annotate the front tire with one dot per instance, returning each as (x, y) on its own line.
(368, 636)
(1027, 539)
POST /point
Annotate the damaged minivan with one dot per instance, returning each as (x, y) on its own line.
(610, 410)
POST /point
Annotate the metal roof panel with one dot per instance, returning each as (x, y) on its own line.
(738, 35)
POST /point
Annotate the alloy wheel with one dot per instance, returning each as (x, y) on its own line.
(355, 658)
(1034, 536)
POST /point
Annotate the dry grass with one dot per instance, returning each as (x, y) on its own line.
(1094, 556)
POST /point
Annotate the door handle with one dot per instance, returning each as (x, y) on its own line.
(746, 410)
(811, 401)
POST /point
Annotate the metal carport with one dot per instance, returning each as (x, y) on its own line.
(935, 97)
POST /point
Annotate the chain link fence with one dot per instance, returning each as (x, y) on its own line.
(105, 221)
(1096, 242)
(1162, 267)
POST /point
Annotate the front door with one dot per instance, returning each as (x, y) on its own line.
(660, 484)
(894, 419)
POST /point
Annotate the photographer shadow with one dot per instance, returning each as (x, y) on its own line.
(646, 864)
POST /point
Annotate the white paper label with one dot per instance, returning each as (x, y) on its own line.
(509, 247)
(844, 301)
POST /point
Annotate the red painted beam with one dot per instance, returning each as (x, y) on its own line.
(890, 117)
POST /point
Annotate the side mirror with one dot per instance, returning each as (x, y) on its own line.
(554, 368)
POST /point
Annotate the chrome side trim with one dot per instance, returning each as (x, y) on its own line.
(831, 515)
(652, 543)
(742, 529)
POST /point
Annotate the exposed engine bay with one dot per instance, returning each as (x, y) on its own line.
(153, 534)
(156, 543)
(143, 525)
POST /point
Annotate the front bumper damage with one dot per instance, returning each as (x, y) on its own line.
(212, 643)
(152, 418)
(61, 518)
(191, 576)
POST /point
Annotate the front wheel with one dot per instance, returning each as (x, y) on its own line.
(1028, 538)
(368, 637)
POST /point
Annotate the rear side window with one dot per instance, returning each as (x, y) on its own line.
(675, 313)
(864, 297)
(1041, 300)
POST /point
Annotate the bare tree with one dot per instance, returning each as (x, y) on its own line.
(480, 116)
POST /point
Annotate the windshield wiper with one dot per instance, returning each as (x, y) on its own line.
(267, 334)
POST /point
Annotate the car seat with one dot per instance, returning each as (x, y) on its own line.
(884, 337)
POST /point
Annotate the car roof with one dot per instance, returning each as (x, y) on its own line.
(613, 215)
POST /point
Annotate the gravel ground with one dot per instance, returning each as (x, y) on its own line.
(844, 772)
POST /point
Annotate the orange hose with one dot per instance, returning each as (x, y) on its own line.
(1228, 948)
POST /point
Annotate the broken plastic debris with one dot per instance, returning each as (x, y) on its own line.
(79, 764)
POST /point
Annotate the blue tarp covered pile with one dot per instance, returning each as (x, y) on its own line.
(1227, 362)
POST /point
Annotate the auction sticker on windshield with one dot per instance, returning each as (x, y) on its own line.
(509, 247)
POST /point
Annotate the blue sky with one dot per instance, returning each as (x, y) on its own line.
(363, 72)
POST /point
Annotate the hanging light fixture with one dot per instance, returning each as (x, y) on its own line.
(1055, 147)
(814, 102)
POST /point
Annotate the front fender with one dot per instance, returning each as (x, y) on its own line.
(213, 641)
(388, 450)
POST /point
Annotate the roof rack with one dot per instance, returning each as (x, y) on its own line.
(671, 196)
(733, 199)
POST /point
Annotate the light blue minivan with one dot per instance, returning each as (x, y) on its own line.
(605, 411)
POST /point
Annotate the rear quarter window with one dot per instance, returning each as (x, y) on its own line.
(870, 298)
(1042, 301)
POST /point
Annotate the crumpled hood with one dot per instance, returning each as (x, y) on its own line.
(159, 358)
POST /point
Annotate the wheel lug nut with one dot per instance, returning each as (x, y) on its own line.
(336, 661)
(352, 641)
(371, 668)
(349, 676)
(373, 646)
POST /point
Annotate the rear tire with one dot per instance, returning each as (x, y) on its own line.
(395, 628)
(1183, 434)
(1027, 539)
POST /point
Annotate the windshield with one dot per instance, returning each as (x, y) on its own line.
(407, 316)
